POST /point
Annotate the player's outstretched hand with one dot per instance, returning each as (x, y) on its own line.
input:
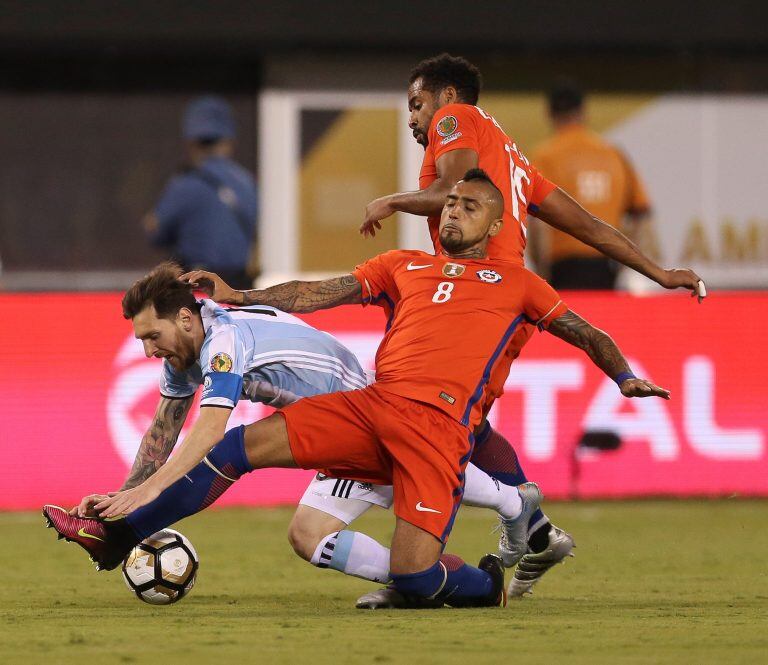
(85, 507)
(684, 278)
(126, 501)
(642, 388)
(375, 211)
(213, 285)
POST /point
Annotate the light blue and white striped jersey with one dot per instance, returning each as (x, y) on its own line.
(265, 355)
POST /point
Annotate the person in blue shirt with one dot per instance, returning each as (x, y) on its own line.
(206, 215)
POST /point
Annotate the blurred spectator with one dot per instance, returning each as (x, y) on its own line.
(600, 178)
(206, 216)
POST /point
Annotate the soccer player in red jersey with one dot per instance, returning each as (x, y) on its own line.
(451, 316)
(458, 135)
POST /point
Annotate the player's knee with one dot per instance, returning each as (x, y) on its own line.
(304, 538)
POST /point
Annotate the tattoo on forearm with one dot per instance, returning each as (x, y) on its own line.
(302, 297)
(597, 344)
(159, 440)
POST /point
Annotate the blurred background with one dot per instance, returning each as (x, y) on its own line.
(92, 104)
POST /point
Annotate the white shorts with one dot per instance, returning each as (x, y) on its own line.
(343, 498)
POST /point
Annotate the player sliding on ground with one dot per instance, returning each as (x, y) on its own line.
(452, 316)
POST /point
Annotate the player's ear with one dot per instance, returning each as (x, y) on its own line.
(448, 95)
(495, 227)
(185, 318)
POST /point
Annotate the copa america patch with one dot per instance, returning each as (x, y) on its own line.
(490, 276)
(221, 362)
(453, 270)
(447, 126)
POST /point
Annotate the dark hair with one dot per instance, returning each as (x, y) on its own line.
(447, 70)
(162, 289)
(565, 97)
(482, 176)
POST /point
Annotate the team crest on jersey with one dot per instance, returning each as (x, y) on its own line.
(490, 276)
(221, 362)
(447, 126)
(453, 270)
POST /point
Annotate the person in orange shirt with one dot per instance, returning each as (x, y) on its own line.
(457, 135)
(600, 178)
(452, 316)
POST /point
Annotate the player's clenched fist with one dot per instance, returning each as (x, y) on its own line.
(642, 388)
(213, 285)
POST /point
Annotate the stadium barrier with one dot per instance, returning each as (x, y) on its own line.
(82, 394)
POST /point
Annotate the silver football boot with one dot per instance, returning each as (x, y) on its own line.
(532, 566)
(513, 541)
(389, 598)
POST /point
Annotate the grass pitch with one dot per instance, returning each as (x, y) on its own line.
(652, 582)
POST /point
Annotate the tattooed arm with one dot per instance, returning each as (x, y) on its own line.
(158, 442)
(154, 449)
(300, 297)
(604, 353)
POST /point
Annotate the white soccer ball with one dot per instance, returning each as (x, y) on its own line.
(162, 568)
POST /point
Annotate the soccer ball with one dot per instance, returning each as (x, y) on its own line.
(161, 569)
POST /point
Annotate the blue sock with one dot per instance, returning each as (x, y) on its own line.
(450, 580)
(195, 491)
(496, 456)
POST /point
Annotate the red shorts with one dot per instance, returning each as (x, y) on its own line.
(377, 437)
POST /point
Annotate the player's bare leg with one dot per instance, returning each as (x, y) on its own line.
(325, 541)
(308, 528)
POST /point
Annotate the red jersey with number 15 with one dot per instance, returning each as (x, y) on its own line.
(451, 323)
(456, 126)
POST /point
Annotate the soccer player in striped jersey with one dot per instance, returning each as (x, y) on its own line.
(258, 353)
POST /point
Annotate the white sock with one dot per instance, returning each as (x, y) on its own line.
(353, 553)
(485, 492)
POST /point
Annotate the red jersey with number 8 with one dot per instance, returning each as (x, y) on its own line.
(456, 126)
(451, 324)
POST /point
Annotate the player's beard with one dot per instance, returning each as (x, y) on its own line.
(185, 356)
(453, 242)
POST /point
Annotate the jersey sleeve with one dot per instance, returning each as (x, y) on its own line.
(223, 362)
(176, 384)
(453, 127)
(542, 303)
(541, 188)
(376, 278)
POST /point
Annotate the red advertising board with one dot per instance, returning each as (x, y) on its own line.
(80, 394)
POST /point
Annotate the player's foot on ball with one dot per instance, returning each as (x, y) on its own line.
(513, 541)
(95, 536)
(533, 565)
(391, 599)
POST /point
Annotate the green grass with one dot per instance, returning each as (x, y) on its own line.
(653, 582)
